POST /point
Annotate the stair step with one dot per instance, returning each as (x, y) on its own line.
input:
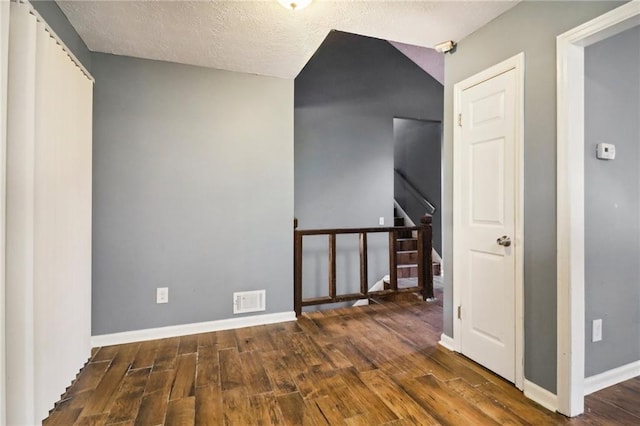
(404, 234)
(405, 257)
(407, 271)
(437, 269)
(405, 244)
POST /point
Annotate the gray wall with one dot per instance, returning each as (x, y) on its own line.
(345, 101)
(193, 190)
(57, 20)
(612, 201)
(529, 27)
(418, 155)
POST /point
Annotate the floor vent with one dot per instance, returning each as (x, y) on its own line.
(249, 301)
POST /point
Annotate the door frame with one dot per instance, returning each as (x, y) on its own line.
(514, 63)
(570, 198)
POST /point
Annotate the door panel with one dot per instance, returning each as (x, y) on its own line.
(488, 203)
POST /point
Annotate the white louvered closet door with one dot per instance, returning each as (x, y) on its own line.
(48, 218)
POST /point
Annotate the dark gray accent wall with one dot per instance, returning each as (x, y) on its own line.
(418, 156)
(612, 201)
(345, 100)
(58, 21)
(530, 27)
(193, 190)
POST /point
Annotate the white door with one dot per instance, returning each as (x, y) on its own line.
(487, 229)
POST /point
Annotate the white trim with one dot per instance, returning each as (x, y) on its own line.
(447, 342)
(187, 329)
(611, 377)
(540, 395)
(58, 40)
(570, 198)
(514, 63)
(4, 58)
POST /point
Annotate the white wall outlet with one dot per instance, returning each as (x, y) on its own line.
(381, 220)
(162, 295)
(596, 332)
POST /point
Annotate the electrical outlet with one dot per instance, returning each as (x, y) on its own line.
(381, 220)
(596, 332)
(162, 295)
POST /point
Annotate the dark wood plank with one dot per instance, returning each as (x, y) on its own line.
(146, 354)
(166, 354)
(181, 412)
(88, 378)
(153, 409)
(291, 407)
(129, 397)
(208, 406)
(395, 398)
(236, 408)
(111, 380)
(208, 368)
(188, 344)
(230, 369)
(255, 377)
(185, 377)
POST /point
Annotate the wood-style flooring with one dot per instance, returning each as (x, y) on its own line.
(377, 364)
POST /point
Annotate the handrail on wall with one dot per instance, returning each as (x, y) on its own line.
(416, 192)
(425, 267)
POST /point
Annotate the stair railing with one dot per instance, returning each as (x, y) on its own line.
(431, 209)
(425, 267)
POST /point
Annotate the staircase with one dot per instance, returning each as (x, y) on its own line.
(407, 256)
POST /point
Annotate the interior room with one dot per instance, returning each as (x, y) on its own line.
(216, 213)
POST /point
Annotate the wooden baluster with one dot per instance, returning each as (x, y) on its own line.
(297, 269)
(426, 260)
(332, 266)
(421, 273)
(364, 271)
(393, 261)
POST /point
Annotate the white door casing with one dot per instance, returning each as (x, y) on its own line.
(487, 276)
(570, 198)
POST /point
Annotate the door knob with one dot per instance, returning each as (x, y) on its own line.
(504, 241)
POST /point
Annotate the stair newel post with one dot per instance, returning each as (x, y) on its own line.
(393, 261)
(426, 247)
(297, 269)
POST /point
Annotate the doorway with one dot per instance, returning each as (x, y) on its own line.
(571, 200)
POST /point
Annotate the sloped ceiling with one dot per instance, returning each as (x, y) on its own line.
(262, 37)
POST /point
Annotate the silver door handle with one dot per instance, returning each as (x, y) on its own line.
(504, 241)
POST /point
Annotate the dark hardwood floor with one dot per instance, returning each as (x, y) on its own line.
(377, 364)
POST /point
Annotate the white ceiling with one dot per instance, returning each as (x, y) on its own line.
(262, 37)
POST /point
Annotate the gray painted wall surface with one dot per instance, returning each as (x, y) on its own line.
(58, 21)
(529, 27)
(345, 101)
(612, 201)
(193, 190)
(418, 156)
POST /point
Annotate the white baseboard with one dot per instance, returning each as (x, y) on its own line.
(611, 377)
(447, 342)
(540, 395)
(186, 329)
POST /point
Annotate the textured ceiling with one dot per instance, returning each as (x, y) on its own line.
(262, 37)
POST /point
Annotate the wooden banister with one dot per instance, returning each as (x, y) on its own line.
(425, 268)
